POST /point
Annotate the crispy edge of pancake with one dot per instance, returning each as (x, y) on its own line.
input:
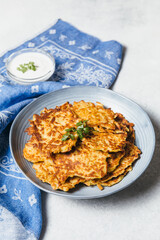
(116, 180)
(114, 160)
(78, 163)
(125, 162)
(46, 176)
(123, 124)
(131, 155)
(106, 142)
(50, 178)
(32, 152)
(52, 146)
(71, 183)
(112, 181)
(99, 117)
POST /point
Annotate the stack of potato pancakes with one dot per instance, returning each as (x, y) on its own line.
(80, 143)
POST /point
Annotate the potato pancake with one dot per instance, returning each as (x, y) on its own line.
(79, 162)
(49, 127)
(81, 143)
(99, 117)
(106, 142)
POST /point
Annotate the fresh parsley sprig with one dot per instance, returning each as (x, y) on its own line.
(27, 66)
(83, 130)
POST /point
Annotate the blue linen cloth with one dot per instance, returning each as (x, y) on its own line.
(81, 59)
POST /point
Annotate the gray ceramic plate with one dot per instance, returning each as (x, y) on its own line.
(145, 136)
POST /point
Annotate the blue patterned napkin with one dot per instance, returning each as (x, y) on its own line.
(80, 60)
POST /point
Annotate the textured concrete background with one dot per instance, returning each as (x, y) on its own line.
(134, 213)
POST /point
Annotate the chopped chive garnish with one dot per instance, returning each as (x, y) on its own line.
(65, 137)
(83, 130)
(71, 136)
(70, 129)
(27, 66)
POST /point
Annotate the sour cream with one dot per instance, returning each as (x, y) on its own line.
(44, 62)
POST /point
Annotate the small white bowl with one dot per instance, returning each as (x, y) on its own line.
(43, 76)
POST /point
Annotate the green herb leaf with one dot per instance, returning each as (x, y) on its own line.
(27, 66)
(65, 137)
(79, 123)
(80, 134)
(70, 129)
(67, 129)
(83, 130)
(86, 130)
(80, 127)
(83, 123)
(71, 136)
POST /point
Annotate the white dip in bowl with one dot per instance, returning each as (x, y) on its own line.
(29, 66)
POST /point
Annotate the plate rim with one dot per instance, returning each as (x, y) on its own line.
(55, 192)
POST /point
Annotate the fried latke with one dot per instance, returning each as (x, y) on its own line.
(98, 117)
(106, 142)
(81, 162)
(101, 157)
(48, 129)
(131, 154)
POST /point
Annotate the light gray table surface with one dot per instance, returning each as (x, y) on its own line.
(134, 213)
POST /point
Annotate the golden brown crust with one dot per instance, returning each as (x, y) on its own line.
(100, 118)
(106, 142)
(102, 159)
(48, 128)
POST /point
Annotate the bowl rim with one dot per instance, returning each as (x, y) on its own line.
(64, 194)
(33, 80)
